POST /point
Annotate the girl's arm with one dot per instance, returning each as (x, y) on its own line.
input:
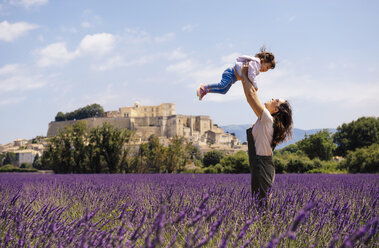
(251, 93)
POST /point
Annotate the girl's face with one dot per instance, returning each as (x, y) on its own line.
(273, 104)
(265, 67)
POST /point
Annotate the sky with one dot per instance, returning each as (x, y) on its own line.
(63, 55)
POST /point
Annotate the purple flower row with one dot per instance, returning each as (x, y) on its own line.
(182, 210)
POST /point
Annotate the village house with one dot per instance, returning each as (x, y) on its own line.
(24, 150)
(25, 156)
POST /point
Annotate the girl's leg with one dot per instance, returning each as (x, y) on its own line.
(228, 78)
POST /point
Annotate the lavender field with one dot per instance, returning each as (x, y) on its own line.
(183, 210)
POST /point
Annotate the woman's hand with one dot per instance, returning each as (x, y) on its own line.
(245, 69)
(245, 79)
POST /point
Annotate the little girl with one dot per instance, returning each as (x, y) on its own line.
(262, 62)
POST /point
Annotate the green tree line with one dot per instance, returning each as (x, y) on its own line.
(354, 148)
(93, 110)
(105, 149)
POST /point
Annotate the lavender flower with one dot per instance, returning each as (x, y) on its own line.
(166, 210)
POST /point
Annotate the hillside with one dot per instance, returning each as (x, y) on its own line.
(298, 134)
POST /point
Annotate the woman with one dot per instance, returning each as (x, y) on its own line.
(273, 126)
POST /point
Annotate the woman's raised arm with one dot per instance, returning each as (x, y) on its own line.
(251, 93)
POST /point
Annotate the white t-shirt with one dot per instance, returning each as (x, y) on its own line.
(263, 132)
(254, 67)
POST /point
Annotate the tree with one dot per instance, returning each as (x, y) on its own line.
(26, 166)
(292, 148)
(111, 144)
(155, 155)
(60, 117)
(2, 156)
(38, 139)
(363, 160)
(93, 110)
(280, 164)
(174, 158)
(75, 150)
(37, 162)
(299, 164)
(79, 152)
(319, 145)
(236, 163)
(360, 133)
(58, 155)
(10, 158)
(140, 163)
(66, 152)
(212, 158)
(95, 160)
(193, 152)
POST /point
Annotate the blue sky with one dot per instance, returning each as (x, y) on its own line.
(62, 55)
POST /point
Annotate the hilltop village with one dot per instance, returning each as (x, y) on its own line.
(160, 120)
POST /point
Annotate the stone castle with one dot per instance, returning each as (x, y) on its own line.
(161, 121)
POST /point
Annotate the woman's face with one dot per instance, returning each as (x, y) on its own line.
(265, 67)
(273, 104)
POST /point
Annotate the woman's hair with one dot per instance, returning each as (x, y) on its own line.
(267, 57)
(282, 124)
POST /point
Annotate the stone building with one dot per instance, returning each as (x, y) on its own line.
(26, 156)
(20, 142)
(161, 121)
(24, 150)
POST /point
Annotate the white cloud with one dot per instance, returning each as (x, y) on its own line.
(164, 38)
(10, 32)
(181, 67)
(230, 58)
(11, 100)
(176, 54)
(136, 36)
(120, 61)
(289, 84)
(198, 72)
(188, 28)
(16, 77)
(193, 72)
(103, 98)
(69, 30)
(86, 24)
(111, 63)
(89, 19)
(291, 19)
(108, 96)
(28, 3)
(210, 74)
(9, 69)
(225, 45)
(56, 54)
(97, 44)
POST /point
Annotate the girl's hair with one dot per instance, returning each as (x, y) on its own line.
(282, 124)
(267, 57)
